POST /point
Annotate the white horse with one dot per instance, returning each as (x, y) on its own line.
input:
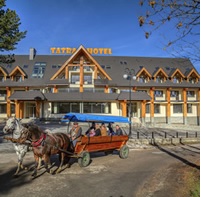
(15, 127)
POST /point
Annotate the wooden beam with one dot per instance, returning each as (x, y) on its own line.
(143, 109)
(168, 111)
(124, 108)
(8, 110)
(17, 109)
(151, 93)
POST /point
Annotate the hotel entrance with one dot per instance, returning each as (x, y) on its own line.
(30, 110)
(133, 109)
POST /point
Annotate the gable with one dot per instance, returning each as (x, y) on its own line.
(80, 59)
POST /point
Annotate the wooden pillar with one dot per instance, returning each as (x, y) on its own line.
(55, 90)
(66, 72)
(151, 93)
(17, 109)
(95, 72)
(198, 107)
(184, 106)
(106, 90)
(124, 108)
(143, 111)
(38, 109)
(81, 74)
(8, 107)
(168, 111)
(21, 109)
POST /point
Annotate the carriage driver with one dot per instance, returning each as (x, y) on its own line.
(75, 133)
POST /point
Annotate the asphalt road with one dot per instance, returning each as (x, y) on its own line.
(142, 174)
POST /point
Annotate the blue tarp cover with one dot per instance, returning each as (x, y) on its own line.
(77, 117)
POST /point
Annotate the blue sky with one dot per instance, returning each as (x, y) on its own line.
(91, 23)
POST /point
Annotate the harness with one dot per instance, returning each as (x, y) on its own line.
(40, 141)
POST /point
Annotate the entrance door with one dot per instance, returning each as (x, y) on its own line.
(133, 109)
(30, 110)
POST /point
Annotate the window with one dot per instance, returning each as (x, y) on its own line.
(175, 80)
(18, 78)
(2, 78)
(3, 108)
(159, 79)
(177, 108)
(75, 78)
(3, 92)
(157, 108)
(190, 93)
(189, 108)
(62, 108)
(147, 108)
(175, 94)
(97, 107)
(38, 70)
(142, 79)
(87, 78)
(13, 108)
(158, 93)
(192, 80)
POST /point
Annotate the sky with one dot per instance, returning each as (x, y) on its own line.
(91, 23)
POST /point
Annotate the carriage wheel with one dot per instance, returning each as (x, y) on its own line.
(123, 152)
(84, 159)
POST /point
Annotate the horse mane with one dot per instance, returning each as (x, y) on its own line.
(34, 129)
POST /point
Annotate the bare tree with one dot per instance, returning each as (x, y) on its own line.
(183, 15)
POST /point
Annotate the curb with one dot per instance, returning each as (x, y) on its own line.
(136, 143)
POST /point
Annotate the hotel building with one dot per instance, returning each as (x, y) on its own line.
(166, 90)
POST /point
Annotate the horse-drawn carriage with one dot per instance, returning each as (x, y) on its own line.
(46, 144)
(106, 144)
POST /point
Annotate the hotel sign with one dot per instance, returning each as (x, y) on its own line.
(63, 50)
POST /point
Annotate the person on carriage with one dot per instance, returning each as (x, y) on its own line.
(75, 133)
(103, 130)
(97, 130)
(110, 129)
(118, 130)
(90, 129)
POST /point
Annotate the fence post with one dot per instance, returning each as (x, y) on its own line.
(152, 134)
(196, 134)
(177, 134)
(186, 134)
(138, 135)
(165, 134)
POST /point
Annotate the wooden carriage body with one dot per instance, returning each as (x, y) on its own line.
(106, 144)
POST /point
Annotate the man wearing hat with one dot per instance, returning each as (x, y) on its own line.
(75, 133)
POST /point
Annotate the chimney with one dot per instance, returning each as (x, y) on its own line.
(32, 53)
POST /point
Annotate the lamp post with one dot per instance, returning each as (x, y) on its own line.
(129, 74)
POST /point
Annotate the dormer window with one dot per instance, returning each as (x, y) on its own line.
(143, 75)
(192, 80)
(142, 79)
(17, 74)
(38, 70)
(18, 78)
(177, 76)
(176, 80)
(1, 78)
(159, 79)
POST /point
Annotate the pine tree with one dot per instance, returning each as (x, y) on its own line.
(10, 34)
